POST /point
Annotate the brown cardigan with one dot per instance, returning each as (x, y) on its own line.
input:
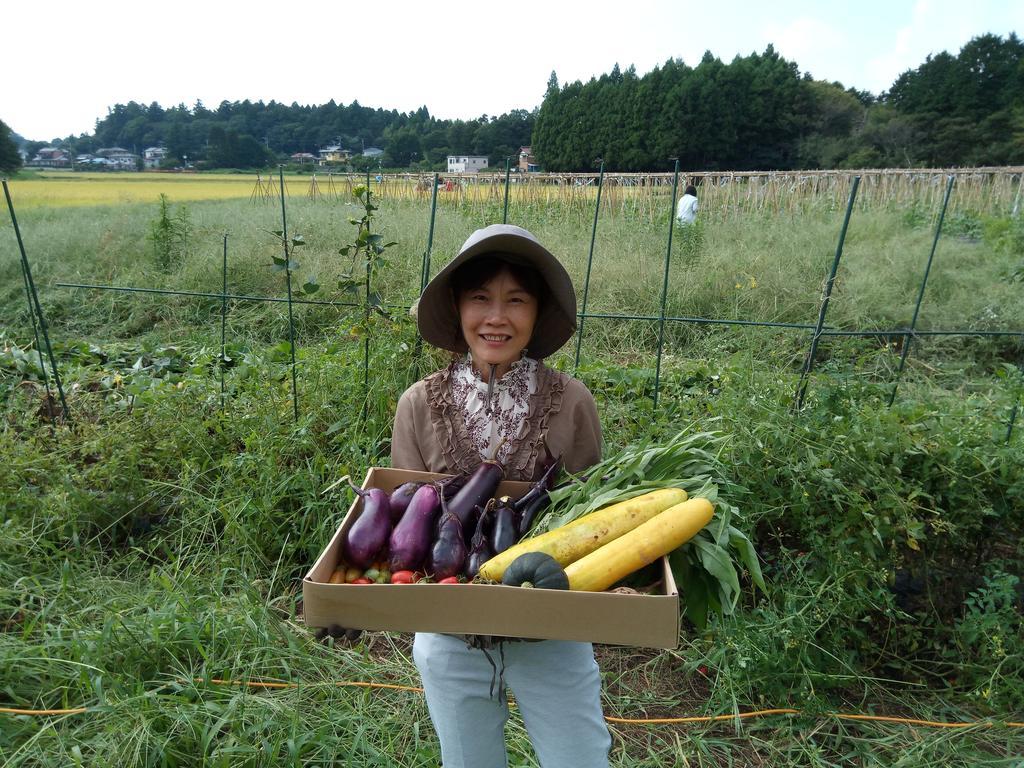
(430, 432)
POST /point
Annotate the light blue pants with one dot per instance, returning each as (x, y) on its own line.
(557, 688)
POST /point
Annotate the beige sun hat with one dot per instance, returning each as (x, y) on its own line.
(437, 315)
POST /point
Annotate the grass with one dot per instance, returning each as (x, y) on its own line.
(158, 542)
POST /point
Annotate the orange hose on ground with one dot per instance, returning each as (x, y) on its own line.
(270, 685)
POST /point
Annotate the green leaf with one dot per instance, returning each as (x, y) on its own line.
(348, 286)
(692, 590)
(298, 240)
(739, 542)
(310, 286)
(717, 562)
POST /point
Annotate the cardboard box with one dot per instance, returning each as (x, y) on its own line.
(485, 609)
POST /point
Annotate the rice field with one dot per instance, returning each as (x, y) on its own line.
(60, 189)
(723, 195)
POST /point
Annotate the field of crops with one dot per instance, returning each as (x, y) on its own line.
(722, 194)
(154, 543)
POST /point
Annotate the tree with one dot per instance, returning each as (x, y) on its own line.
(10, 159)
(963, 106)
(403, 144)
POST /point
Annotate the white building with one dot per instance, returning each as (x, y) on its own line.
(152, 156)
(334, 154)
(466, 163)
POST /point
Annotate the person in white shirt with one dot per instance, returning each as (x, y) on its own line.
(686, 210)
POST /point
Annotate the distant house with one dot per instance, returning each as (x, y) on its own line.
(334, 154)
(373, 152)
(153, 156)
(51, 157)
(117, 159)
(527, 162)
(303, 157)
(466, 163)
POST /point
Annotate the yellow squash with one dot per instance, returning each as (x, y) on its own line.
(584, 535)
(639, 547)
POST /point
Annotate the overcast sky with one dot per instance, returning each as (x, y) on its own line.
(64, 64)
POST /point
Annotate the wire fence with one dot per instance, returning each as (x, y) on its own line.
(604, 194)
(723, 194)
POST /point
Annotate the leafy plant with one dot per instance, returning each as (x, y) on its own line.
(707, 567)
(168, 235)
(287, 264)
(367, 253)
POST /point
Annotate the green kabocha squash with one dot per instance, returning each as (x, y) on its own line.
(535, 569)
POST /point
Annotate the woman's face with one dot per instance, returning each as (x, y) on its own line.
(497, 322)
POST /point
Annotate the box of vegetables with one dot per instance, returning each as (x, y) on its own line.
(422, 552)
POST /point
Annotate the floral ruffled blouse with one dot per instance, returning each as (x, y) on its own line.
(498, 424)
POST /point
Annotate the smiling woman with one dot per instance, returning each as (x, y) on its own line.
(497, 312)
(58, 190)
(502, 305)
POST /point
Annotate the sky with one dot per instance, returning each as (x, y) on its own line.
(65, 64)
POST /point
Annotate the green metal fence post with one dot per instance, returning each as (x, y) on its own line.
(590, 262)
(38, 341)
(504, 216)
(366, 319)
(664, 286)
(38, 309)
(801, 389)
(288, 279)
(425, 274)
(920, 294)
(223, 317)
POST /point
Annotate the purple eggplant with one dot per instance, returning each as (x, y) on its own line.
(448, 555)
(480, 548)
(528, 514)
(400, 498)
(541, 487)
(504, 532)
(411, 538)
(478, 489)
(369, 533)
(452, 485)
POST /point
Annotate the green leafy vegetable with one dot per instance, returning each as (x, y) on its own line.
(707, 568)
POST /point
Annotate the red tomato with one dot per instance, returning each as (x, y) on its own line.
(450, 580)
(404, 577)
(363, 580)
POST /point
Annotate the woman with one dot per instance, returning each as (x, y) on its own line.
(686, 210)
(503, 304)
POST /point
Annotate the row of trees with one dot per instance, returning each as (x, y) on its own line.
(758, 112)
(253, 134)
